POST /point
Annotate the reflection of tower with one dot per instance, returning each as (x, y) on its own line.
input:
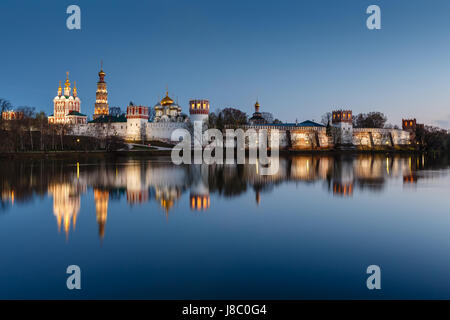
(258, 197)
(340, 189)
(167, 197)
(66, 205)
(101, 107)
(8, 195)
(136, 189)
(410, 171)
(343, 176)
(199, 196)
(101, 209)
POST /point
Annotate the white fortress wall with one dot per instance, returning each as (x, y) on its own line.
(162, 130)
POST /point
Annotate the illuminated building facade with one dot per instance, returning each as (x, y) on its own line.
(67, 106)
(12, 115)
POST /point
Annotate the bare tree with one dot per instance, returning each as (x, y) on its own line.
(5, 105)
(42, 120)
(326, 118)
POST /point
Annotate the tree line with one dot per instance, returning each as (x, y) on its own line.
(32, 132)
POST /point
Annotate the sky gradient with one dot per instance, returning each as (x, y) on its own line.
(299, 58)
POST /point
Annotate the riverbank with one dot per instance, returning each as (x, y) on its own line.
(83, 154)
(166, 152)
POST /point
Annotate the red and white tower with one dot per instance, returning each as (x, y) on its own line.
(199, 110)
(343, 120)
(137, 119)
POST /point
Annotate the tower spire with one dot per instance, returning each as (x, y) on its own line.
(101, 74)
(67, 79)
(67, 85)
(59, 89)
(74, 88)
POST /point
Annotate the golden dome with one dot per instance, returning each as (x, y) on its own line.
(67, 84)
(166, 100)
(257, 104)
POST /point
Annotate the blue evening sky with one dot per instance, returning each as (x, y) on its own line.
(300, 58)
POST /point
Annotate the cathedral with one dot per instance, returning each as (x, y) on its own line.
(168, 111)
(67, 106)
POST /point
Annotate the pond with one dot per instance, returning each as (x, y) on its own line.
(147, 229)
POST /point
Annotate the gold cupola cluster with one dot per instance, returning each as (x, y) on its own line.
(168, 111)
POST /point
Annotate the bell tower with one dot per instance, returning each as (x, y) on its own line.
(101, 107)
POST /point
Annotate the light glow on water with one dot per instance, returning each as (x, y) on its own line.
(145, 228)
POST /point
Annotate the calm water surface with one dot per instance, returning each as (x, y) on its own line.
(144, 228)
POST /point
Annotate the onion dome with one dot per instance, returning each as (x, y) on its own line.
(67, 83)
(257, 106)
(166, 100)
(74, 88)
(59, 89)
(158, 106)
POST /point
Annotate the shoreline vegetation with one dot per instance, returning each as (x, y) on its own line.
(31, 135)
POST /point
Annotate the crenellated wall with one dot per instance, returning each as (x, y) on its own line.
(316, 138)
(132, 130)
(118, 129)
(290, 136)
(297, 137)
(372, 137)
(162, 130)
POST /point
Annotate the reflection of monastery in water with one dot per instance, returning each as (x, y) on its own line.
(66, 204)
(158, 181)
